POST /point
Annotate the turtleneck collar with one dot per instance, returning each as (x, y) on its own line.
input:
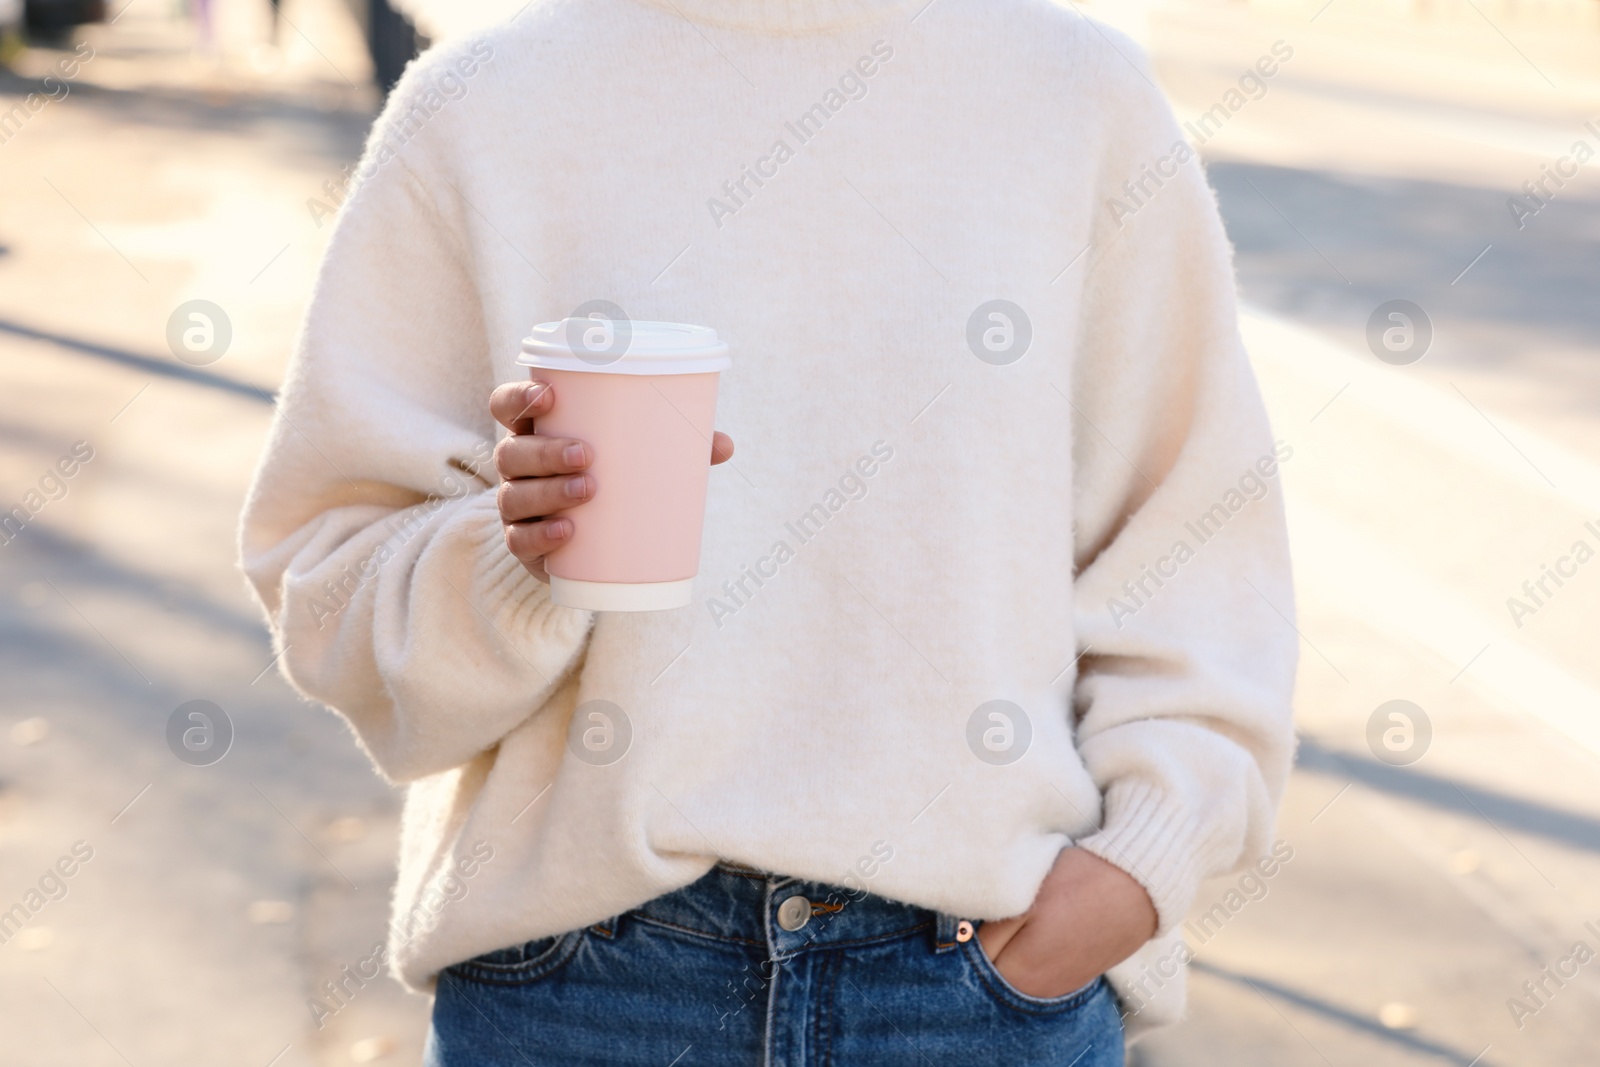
(787, 16)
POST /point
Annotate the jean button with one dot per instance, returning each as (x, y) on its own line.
(794, 913)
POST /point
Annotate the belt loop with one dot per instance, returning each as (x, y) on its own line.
(944, 932)
(608, 928)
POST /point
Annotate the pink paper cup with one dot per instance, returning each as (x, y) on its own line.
(643, 396)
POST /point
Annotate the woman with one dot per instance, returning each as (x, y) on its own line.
(909, 787)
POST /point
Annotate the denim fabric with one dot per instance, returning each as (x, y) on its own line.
(706, 977)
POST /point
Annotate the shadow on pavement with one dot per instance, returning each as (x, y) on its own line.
(80, 563)
(1503, 811)
(1332, 1012)
(146, 364)
(1330, 247)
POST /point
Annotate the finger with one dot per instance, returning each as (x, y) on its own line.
(534, 498)
(531, 455)
(530, 542)
(721, 448)
(516, 404)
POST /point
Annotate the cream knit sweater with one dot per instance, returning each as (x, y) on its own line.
(1069, 506)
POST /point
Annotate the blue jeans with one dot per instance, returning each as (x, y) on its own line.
(737, 970)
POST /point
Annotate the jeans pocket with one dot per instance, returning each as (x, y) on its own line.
(521, 964)
(1003, 991)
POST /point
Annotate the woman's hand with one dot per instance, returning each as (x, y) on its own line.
(541, 476)
(1088, 916)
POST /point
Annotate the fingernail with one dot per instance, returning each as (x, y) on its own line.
(573, 453)
(577, 487)
(536, 390)
(558, 529)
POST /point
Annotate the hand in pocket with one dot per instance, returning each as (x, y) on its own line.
(1088, 916)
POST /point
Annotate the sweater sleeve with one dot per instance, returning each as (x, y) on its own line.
(371, 533)
(1183, 597)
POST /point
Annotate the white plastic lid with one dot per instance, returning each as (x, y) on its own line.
(621, 346)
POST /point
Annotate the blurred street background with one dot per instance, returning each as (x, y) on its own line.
(1442, 459)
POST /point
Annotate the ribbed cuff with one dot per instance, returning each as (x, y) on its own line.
(514, 601)
(1156, 839)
